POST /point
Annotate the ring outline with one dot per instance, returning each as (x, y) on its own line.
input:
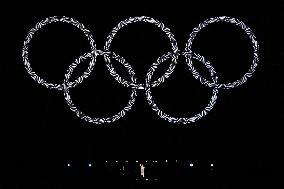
(82, 115)
(184, 120)
(145, 19)
(43, 23)
(236, 22)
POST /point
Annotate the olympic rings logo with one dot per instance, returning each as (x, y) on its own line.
(188, 53)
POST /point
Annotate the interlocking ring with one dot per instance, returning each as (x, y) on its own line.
(228, 20)
(99, 120)
(174, 55)
(40, 25)
(186, 120)
(146, 20)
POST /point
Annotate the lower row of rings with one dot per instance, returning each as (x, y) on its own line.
(147, 87)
